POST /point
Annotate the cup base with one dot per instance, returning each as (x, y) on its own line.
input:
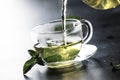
(64, 64)
(65, 67)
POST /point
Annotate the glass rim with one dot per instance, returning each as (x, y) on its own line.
(54, 21)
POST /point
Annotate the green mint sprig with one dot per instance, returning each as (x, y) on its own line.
(35, 59)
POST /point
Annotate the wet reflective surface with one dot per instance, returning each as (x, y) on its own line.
(92, 70)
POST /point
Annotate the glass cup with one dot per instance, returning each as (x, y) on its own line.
(58, 50)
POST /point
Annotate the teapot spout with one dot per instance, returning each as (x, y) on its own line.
(102, 4)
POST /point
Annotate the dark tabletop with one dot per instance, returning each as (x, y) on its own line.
(29, 13)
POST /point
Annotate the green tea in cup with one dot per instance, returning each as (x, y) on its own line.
(57, 50)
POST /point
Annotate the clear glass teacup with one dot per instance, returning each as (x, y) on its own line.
(56, 49)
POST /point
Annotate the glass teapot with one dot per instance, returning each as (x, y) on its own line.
(102, 4)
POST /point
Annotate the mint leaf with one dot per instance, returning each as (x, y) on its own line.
(28, 65)
(40, 61)
(33, 53)
(36, 59)
(115, 67)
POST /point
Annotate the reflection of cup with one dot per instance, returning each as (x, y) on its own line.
(49, 40)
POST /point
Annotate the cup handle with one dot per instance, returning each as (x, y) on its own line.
(89, 32)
